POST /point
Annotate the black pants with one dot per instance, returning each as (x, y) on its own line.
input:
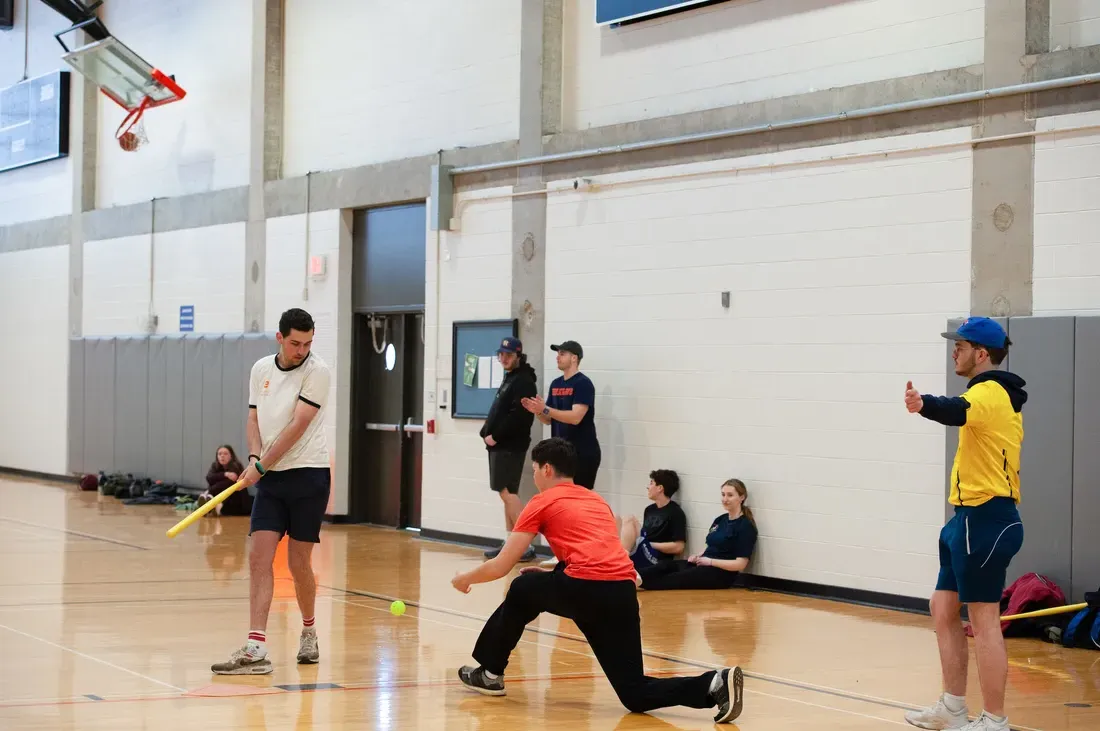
(606, 612)
(587, 467)
(681, 574)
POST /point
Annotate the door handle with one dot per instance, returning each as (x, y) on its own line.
(382, 427)
(410, 427)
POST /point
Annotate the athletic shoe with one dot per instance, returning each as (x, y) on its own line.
(528, 555)
(475, 679)
(241, 663)
(729, 695)
(985, 722)
(307, 647)
(494, 552)
(937, 717)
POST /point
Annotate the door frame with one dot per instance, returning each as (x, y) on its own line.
(356, 465)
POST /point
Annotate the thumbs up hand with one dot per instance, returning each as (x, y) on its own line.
(913, 401)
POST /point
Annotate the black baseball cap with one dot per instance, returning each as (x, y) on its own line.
(569, 346)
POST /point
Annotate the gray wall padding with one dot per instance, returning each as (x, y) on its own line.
(1086, 458)
(1042, 354)
(160, 406)
(76, 406)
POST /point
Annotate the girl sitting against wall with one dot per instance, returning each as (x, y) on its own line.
(730, 543)
(224, 472)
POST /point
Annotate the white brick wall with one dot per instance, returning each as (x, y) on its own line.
(746, 51)
(469, 279)
(198, 144)
(286, 282)
(43, 190)
(842, 275)
(367, 82)
(1074, 23)
(34, 289)
(1067, 217)
(203, 267)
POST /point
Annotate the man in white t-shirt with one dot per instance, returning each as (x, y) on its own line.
(289, 464)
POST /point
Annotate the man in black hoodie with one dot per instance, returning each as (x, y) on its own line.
(985, 533)
(507, 433)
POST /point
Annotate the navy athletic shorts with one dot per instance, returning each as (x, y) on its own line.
(976, 546)
(292, 502)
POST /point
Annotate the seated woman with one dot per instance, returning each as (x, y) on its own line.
(224, 472)
(662, 532)
(730, 543)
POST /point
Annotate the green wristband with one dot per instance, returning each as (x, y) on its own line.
(260, 468)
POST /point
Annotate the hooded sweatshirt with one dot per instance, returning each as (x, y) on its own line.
(508, 422)
(991, 434)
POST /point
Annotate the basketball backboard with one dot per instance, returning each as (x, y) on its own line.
(123, 75)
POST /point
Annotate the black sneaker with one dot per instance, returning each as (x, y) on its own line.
(475, 679)
(728, 697)
(528, 555)
(493, 552)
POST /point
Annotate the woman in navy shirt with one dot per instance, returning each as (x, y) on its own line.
(730, 543)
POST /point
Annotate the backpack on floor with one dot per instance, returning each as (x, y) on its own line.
(1083, 629)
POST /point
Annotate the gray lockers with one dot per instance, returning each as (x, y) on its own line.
(159, 406)
(1059, 357)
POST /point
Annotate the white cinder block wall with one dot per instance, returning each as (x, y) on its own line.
(470, 278)
(34, 291)
(377, 81)
(746, 51)
(842, 275)
(203, 267)
(288, 249)
(43, 190)
(1067, 216)
(201, 143)
(1074, 23)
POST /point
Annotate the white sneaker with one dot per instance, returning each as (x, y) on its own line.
(938, 717)
(985, 722)
(550, 562)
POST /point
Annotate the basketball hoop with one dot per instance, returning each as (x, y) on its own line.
(131, 132)
(127, 79)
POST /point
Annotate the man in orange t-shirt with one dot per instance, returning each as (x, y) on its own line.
(593, 584)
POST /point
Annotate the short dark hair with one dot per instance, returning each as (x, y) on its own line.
(996, 355)
(295, 319)
(668, 479)
(558, 453)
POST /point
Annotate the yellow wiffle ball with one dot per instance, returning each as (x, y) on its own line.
(397, 608)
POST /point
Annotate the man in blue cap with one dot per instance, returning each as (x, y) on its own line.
(507, 432)
(985, 533)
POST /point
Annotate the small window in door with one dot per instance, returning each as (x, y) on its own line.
(391, 357)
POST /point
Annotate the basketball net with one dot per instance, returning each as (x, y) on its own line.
(131, 132)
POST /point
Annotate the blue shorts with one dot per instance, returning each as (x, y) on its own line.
(644, 554)
(976, 546)
(292, 502)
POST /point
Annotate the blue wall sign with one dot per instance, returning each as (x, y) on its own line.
(187, 318)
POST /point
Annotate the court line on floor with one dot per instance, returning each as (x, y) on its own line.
(837, 692)
(93, 659)
(82, 534)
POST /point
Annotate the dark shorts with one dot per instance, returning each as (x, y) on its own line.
(976, 546)
(587, 467)
(292, 502)
(506, 470)
(644, 554)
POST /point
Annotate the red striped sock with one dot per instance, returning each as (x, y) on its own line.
(256, 637)
(307, 622)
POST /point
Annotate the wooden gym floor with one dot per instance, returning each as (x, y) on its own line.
(107, 624)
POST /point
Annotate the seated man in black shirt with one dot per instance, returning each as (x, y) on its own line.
(731, 541)
(662, 534)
